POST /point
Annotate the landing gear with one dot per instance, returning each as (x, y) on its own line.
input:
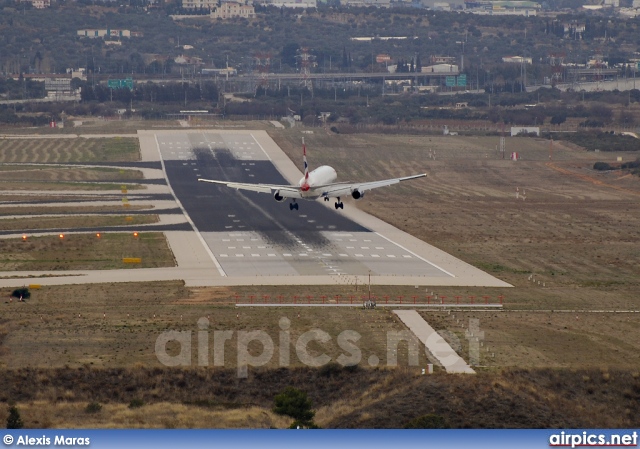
(339, 204)
(326, 198)
(293, 205)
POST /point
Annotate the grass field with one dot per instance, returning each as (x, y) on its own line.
(85, 252)
(570, 244)
(64, 186)
(20, 173)
(88, 221)
(67, 210)
(42, 150)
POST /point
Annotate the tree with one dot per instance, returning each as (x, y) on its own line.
(558, 119)
(295, 403)
(14, 421)
(289, 52)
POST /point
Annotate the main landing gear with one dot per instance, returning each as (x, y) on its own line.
(339, 204)
(293, 205)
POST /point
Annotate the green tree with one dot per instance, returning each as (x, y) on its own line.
(14, 421)
(295, 403)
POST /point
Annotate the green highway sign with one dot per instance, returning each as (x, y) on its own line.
(462, 80)
(126, 83)
(450, 81)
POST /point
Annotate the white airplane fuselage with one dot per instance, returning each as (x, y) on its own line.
(318, 178)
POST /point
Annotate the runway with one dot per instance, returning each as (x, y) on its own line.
(251, 234)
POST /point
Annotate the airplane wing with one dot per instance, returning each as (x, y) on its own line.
(286, 191)
(344, 189)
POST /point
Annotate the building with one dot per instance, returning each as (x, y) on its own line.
(524, 130)
(516, 7)
(442, 59)
(229, 10)
(200, 4)
(292, 3)
(517, 60)
(93, 33)
(38, 4)
(57, 87)
(440, 68)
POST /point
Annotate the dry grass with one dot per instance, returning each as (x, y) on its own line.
(64, 210)
(59, 185)
(362, 398)
(42, 150)
(117, 325)
(18, 173)
(86, 221)
(158, 415)
(85, 252)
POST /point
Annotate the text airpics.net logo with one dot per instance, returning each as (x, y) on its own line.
(175, 348)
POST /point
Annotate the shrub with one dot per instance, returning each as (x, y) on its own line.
(602, 166)
(93, 407)
(136, 403)
(294, 403)
(14, 421)
(23, 293)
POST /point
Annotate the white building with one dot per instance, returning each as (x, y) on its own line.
(232, 9)
(293, 3)
(517, 59)
(515, 130)
(38, 4)
(440, 68)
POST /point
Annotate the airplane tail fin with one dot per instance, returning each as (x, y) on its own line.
(304, 158)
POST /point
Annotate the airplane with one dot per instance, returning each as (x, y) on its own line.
(315, 184)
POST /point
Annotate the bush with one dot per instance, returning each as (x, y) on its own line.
(23, 293)
(136, 403)
(602, 166)
(14, 421)
(294, 403)
(430, 421)
(93, 407)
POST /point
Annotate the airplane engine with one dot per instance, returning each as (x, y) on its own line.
(356, 194)
(279, 198)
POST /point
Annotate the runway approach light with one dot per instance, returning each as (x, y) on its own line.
(61, 236)
(98, 234)
(24, 237)
(135, 234)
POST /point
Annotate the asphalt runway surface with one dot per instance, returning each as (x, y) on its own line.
(252, 234)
